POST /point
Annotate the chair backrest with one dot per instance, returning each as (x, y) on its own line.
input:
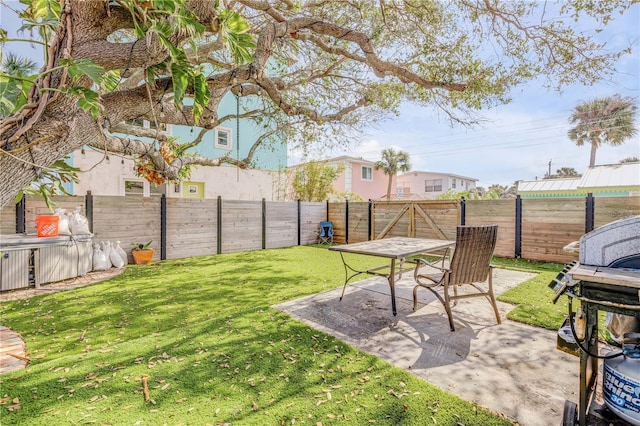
(472, 255)
(326, 229)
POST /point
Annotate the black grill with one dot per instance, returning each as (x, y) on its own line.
(607, 279)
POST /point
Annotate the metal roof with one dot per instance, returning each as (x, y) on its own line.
(604, 176)
(349, 158)
(611, 175)
(564, 184)
(453, 175)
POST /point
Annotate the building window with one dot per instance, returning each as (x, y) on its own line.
(434, 185)
(134, 187)
(158, 190)
(453, 183)
(139, 122)
(367, 173)
(223, 138)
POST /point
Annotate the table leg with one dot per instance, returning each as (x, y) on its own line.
(392, 285)
(348, 277)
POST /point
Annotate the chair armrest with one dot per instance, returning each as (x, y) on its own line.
(435, 278)
(435, 265)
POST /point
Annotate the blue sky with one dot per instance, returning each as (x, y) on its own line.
(520, 138)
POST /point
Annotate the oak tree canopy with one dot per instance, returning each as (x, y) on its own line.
(314, 70)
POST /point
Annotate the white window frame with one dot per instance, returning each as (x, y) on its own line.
(146, 192)
(430, 185)
(370, 173)
(229, 133)
(146, 124)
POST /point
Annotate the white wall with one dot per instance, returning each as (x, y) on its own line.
(102, 178)
(415, 181)
(236, 184)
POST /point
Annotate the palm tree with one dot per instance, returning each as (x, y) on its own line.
(604, 120)
(17, 66)
(496, 191)
(393, 162)
(567, 172)
(629, 160)
(11, 89)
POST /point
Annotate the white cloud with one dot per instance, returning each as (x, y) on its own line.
(520, 138)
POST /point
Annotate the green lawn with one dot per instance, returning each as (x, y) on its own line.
(201, 333)
(534, 298)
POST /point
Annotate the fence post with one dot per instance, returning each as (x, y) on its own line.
(327, 219)
(518, 243)
(264, 224)
(163, 227)
(299, 233)
(346, 222)
(463, 211)
(369, 217)
(88, 208)
(219, 225)
(589, 213)
(21, 221)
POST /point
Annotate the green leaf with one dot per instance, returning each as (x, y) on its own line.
(233, 30)
(202, 95)
(13, 92)
(51, 182)
(241, 46)
(88, 100)
(234, 21)
(9, 90)
(83, 67)
(45, 9)
(110, 80)
(180, 82)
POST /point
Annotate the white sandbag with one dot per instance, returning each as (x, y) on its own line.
(63, 221)
(99, 259)
(106, 248)
(121, 252)
(78, 224)
(115, 258)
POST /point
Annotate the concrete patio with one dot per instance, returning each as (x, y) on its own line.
(512, 369)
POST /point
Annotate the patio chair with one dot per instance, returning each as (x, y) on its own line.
(326, 233)
(470, 265)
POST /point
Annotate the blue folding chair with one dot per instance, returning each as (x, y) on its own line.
(326, 233)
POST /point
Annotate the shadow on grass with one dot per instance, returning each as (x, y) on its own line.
(213, 350)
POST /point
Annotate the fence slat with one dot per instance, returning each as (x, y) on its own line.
(192, 227)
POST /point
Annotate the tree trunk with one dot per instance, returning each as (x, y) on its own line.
(65, 129)
(389, 188)
(592, 159)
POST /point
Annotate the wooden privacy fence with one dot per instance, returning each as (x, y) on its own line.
(534, 229)
(180, 228)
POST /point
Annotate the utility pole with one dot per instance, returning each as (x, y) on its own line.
(549, 173)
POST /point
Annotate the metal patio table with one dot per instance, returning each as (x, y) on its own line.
(396, 249)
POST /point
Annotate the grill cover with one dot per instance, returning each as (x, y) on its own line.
(611, 242)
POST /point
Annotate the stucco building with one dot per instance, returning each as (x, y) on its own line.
(107, 174)
(358, 180)
(419, 185)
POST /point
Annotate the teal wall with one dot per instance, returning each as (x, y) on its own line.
(272, 155)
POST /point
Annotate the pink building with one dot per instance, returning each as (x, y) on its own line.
(360, 178)
(358, 181)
